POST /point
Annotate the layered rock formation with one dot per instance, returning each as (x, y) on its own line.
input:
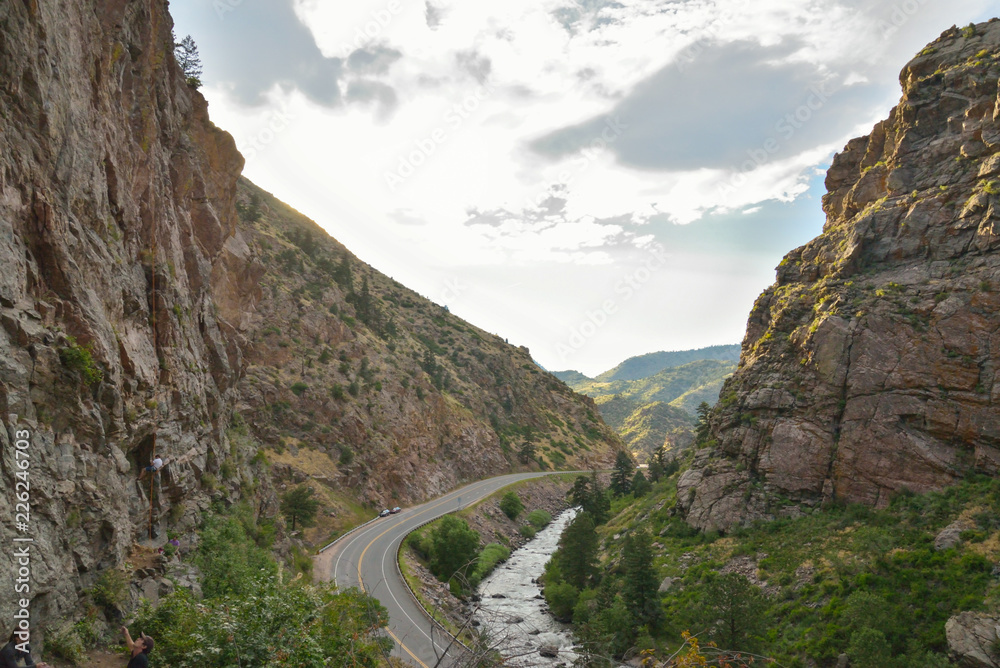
(870, 366)
(111, 178)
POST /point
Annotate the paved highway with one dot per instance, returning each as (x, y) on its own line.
(367, 559)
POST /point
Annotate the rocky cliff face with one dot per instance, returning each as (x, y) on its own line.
(870, 366)
(111, 178)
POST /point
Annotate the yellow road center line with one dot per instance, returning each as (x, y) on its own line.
(361, 582)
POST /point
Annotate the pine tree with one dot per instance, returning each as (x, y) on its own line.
(640, 486)
(300, 506)
(639, 589)
(599, 506)
(703, 431)
(621, 478)
(578, 551)
(186, 54)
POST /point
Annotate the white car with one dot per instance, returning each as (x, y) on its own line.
(384, 513)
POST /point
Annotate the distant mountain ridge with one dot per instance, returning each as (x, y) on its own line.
(649, 404)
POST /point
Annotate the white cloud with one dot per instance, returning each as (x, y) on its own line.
(467, 95)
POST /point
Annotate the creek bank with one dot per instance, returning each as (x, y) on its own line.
(493, 526)
(513, 610)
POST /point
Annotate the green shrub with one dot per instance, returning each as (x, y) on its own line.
(346, 456)
(110, 590)
(81, 359)
(527, 531)
(539, 518)
(492, 555)
(561, 597)
(299, 388)
(511, 505)
(66, 644)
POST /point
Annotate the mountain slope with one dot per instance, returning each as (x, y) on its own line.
(869, 367)
(405, 399)
(657, 409)
(643, 366)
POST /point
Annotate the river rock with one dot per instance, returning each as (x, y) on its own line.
(548, 651)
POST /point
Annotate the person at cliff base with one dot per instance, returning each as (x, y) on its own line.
(155, 465)
(138, 649)
(10, 655)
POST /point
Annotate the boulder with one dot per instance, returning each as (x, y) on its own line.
(972, 639)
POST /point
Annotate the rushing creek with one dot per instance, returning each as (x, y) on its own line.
(518, 622)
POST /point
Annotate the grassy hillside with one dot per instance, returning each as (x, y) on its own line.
(644, 366)
(820, 581)
(658, 408)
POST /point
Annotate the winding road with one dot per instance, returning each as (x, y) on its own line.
(366, 558)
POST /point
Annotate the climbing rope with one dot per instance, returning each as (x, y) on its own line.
(156, 350)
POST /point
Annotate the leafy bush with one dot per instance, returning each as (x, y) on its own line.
(65, 644)
(511, 505)
(81, 359)
(561, 597)
(539, 518)
(110, 590)
(299, 388)
(492, 555)
(229, 559)
(527, 531)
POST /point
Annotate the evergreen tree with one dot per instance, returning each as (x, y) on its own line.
(300, 506)
(639, 591)
(343, 274)
(640, 486)
(736, 608)
(621, 477)
(703, 431)
(578, 551)
(599, 506)
(186, 54)
(580, 494)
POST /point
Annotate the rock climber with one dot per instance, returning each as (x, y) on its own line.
(156, 463)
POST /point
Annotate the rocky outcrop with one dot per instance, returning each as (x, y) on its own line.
(972, 640)
(111, 178)
(870, 366)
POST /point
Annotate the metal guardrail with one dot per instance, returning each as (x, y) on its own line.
(345, 535)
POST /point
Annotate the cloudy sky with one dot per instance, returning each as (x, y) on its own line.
(594, 179)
